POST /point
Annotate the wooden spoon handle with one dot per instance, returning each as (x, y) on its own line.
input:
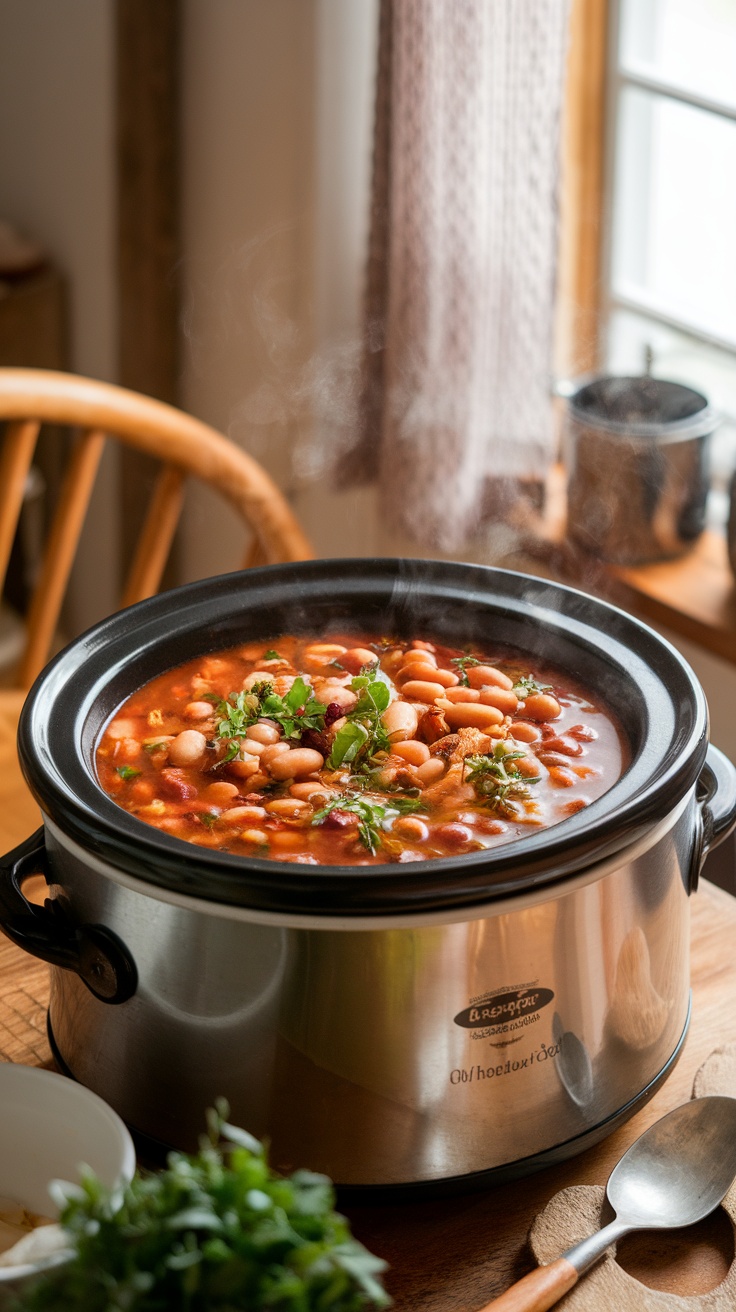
(537, 1291)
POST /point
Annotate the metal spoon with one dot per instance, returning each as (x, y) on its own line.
(677, 1172)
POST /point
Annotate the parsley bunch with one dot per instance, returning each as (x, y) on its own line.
(214, 1232)
(297, 711)
(497, 780)
(374, 817)
(363, 735)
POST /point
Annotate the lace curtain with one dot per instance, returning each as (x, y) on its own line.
(461, 269)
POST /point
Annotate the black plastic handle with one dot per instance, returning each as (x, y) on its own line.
(94, 953)
(716, 793)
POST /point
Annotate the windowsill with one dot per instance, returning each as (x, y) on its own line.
(693, 595)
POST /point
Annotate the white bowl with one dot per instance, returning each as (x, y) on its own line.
(49, 1126)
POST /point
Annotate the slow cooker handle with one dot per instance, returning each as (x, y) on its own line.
(716, 791)
(91, 951)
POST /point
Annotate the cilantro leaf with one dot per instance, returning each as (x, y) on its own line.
(127, 772)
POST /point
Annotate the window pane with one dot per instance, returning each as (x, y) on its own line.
(674, 220)
(689, 42)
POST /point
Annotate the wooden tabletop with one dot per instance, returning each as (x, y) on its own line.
(453, 1255)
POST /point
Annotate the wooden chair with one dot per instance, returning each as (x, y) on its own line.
(30, 397)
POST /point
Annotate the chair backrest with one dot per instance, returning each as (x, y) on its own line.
(30, 397)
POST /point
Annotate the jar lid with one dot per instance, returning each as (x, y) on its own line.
(644, 408)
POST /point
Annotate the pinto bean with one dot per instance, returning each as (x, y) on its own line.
(243, 815)
(431, 771)
(220, 793)
(290, 808)
(411, 750)
(541, 706)
(400, 721)
(453, 835)
(297, 763)
(356, 658)
(411, 828)
(264, 733)
(462, 695)
(187, 748)
(524, 733)
(472, 715)
(421, 691)
(198, 710)
(484, 676)
(272, 751)
(506, 701)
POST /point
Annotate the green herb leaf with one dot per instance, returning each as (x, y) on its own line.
(462, 663)
(272, 655)
(525, 686)
(374, 817)
(496, 780)
(347, 744)
(297, 711)
(127, 772)
(210, 1233)
(366, 734)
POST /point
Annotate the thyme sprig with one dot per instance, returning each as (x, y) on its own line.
(496, 780)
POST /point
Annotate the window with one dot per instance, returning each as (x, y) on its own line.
(670, 279)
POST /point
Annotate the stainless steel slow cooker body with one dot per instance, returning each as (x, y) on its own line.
(389, 1025)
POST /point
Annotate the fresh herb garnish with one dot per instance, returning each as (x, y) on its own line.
(373, 817)
(208, 818)
(210, 1233)
(272, 655)
(364, 734)
(525, 686)
(462, 663)
(497, 780)
(127, 772)
(153, 747)
(297, 711)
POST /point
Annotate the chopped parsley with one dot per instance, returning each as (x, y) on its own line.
(297, 711)
(272, 655)
(462, 662)
(127, 772)
(526, 685)
(496, 780)
(374, 818)
(364, 734)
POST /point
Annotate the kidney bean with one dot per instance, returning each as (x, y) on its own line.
(333, 711)
(483, 676)
(472, 715)
(400, 721)
(541, 706)
(563, 746)
(411, 750)
(506, 701)
(553, 758)
(338, 819)
(298, 762)
(187, 748)
(173, 784)
(421, 691)
(453, 835)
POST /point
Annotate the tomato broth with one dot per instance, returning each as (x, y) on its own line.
(337, 751)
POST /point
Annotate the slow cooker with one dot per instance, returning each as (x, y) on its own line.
(446, 1022)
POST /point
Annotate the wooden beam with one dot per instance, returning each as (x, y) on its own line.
(148, 241)
(581, 209)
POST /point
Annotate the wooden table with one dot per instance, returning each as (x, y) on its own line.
(453, 1255)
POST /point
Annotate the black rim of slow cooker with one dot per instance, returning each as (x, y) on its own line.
(645, 681)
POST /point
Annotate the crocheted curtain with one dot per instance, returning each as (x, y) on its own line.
(461, 267)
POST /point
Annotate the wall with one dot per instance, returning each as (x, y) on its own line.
(57, 184)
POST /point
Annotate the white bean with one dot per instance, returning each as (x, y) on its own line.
(400, 721)
(187, 748)
(296, 764)
(264, 733)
